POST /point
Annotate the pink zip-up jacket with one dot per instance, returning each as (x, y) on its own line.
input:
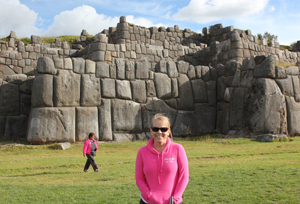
(160, 176)
(87, 146)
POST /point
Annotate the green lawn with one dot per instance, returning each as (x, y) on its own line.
(221, 171)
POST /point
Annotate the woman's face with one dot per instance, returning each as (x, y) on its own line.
(160, 136)
(92, 137)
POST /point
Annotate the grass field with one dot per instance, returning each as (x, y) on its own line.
(221, 171)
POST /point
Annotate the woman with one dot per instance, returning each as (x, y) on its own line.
(89, 149)
(161, 170)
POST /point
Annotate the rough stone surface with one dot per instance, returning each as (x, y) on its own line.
(236, 108)
(51, 125)
(9, 100)
(293, 116)
(16, 127)
(102, 70)
(119, 137)
(120, 65)
(42, 95)
(123, 90)
(206, 118)
(105, 122)
(142, 71)
(90, 94)
(186, 101)
(172, 69)
(138, 88)
(63, 145)
(5, 71)
(286, 86)
(108, 88)
(163, 86)
(45, 65)
(66, 89)
(266, 69)
(265, 108)
(86, 122)
(126, 116)
(199, 90)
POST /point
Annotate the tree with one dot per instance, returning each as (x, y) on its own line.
(268, 36)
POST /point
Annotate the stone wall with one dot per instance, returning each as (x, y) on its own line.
(118, 80)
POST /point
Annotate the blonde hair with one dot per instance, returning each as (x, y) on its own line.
(165, 119)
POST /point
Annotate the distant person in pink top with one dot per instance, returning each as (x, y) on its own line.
(90, 148)
(161, 170)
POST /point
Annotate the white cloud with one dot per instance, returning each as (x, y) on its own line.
(204, 11)
(86, 17)
(18, 17)
(272, 9)
(82, 17)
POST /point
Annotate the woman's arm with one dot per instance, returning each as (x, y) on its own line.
(183, 175)
(140, 178)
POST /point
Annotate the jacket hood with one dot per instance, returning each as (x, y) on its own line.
(151, 148)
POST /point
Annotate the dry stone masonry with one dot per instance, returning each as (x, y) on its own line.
(218, 81)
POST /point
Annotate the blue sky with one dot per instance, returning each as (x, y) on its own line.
(69, 17)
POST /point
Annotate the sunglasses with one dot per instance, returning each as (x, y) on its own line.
(156, 129)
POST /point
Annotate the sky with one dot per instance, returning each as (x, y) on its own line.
(69, 17)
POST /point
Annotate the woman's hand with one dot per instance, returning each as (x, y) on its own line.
(83, 155)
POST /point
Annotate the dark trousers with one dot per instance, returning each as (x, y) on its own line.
(90, 161)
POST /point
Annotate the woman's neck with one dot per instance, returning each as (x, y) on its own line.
(159, 146)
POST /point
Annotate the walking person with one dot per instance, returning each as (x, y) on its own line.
(89, 150)
(161, 170)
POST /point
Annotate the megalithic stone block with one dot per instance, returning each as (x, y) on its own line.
(105, 122)
(90, 90)
(51, 125)
(86, 122)
(66, 89)
(42, 91)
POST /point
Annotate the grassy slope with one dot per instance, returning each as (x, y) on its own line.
(226, 171)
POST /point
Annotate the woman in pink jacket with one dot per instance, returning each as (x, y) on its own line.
(161, 170)
(89, 150)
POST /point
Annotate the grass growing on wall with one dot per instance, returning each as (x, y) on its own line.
(221, 171)
(285, 64)
(48, 40)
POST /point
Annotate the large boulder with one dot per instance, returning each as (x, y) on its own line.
(265, 108)
(42, 91)
(5, 71)
(236, 108)
(102, 70)
(185, 124)
(163, 85)
(127, 116)
(51, 125)
(66, 88)
(16, 127)
(86, 122)
(122, 137)
(108, 88)
(186, 101)
(123, 89)
(138, 91)
(293, 116)
(90, 90)
(45, 65)
(142, 71)
(9, 99)
(206, 119)
(105, 123)
(199, 90)
(266, 69)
